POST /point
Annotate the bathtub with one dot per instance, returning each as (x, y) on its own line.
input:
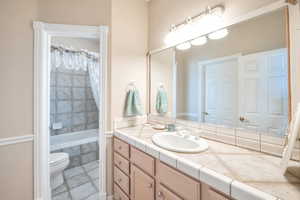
(67, 140)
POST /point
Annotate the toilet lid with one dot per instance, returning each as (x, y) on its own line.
(56, 158)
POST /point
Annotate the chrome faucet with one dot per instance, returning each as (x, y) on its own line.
(171, 127)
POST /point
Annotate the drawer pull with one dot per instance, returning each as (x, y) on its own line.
(120, 162)
(120, 147)
(160, 195)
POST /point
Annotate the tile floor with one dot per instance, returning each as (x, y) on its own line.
(80, 183)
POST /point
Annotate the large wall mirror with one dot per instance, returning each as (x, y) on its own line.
(239, 79)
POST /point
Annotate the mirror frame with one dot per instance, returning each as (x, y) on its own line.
(248, 16)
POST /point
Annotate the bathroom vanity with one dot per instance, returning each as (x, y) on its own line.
(137, 175)
(143, 171)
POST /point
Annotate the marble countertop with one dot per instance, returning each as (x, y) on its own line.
(228, 168)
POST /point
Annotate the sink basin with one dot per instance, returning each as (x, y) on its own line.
(177, 142)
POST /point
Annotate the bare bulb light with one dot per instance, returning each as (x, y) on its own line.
(218, 34)
(199, 41)
(183, 46)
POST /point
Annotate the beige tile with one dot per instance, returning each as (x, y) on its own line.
(272, 139)
(248, 143)
(249, 134)
(271, 149)
(217, 147)
(209, 127)
(245, 192)
(215, 180)
(226, 138)
(225, 130)
(280, 190)
(210, 161)
(256, 168)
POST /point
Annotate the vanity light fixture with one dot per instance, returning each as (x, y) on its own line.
(218, 34)
(195, 26)
(199, 41)
(184, 46)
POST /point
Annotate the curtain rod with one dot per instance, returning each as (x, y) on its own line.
(85, 52)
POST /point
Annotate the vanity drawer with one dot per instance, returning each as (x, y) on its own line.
(122, 163)
(185, 187)
(119, 194)
(121, 180)
(144, 161)
(165, 194)
(208, 193)
(121, 147)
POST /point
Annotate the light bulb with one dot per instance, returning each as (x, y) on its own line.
(199, 41)
(218, 34)
(184, 46)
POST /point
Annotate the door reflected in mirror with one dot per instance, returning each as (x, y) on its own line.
(239, 80)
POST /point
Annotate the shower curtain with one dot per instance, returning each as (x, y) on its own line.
(79, 60)
(94, 73)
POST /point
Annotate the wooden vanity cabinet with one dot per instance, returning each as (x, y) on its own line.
(164, 194)
(139, 176)
(209, 193)
(142, 185)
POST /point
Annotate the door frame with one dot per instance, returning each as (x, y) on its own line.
(42, 41)
(201, 90)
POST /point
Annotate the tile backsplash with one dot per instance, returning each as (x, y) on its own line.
(233, 136)
(71, 101)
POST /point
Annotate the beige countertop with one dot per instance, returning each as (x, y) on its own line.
(234, 165)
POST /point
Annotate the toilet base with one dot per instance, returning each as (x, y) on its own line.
(56, 180)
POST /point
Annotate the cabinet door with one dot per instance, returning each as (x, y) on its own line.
(142, 185)
(209, 193)
(165, 194)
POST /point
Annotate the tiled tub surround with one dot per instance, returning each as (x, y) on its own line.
(257, 141)
(238, 172)
(72, 101)
(80, 183)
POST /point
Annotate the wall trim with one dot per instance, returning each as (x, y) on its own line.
(42, 38)
(16, 140)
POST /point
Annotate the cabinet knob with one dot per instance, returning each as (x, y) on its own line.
(150, 185)
(119, 180)
(120, 162)
(120, 147)
(160, 195)
(242, 119)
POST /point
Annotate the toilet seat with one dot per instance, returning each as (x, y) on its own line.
(58, 162)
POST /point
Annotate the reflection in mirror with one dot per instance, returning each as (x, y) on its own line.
(237, 80)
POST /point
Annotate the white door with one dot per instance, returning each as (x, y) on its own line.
(221, 92)
(263, 96)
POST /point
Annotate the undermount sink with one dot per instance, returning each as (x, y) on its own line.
(177, 142)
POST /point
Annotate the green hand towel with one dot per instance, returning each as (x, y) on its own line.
(161, 102)
(133, 105)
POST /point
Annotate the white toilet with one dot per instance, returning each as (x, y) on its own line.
(58, 162)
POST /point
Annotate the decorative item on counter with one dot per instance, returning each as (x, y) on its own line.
(161, 100)
(159, 126)
(133, 105)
